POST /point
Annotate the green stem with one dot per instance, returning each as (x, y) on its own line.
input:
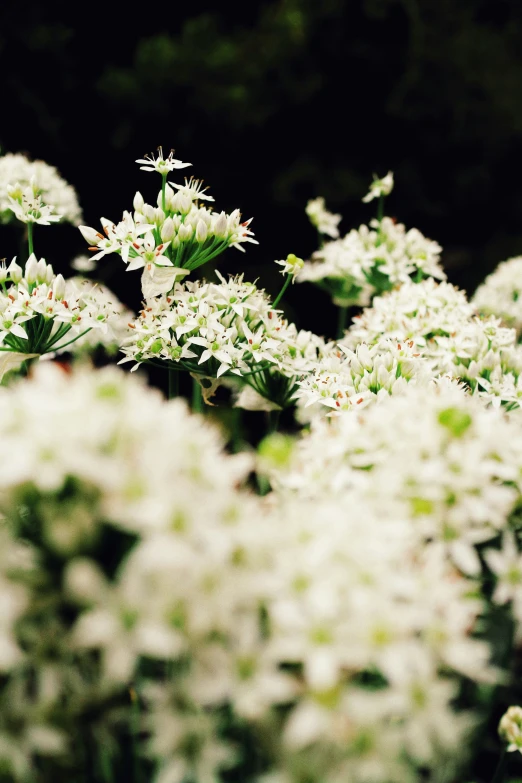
(135, 729)
(282, 291)
(163, 197)
(342, 316)
(30, 238)
(380, 208)
(498, 777)
(173, 384)
(197, 397)
(273, 421)
(59, 347)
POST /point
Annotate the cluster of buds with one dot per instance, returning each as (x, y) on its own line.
(39, 308)
(174, 237)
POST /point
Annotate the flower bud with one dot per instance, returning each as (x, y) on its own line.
(31, 269)
(184, 203)
(41, 271)
(3, 272)
(159, 216)
(201, 231)
(148, 211)
(59, 287)
(510, 728)
(221, 226)
(49, 274)
(167, 230)
(138, 202)
(91, 236)
(14, 271)
(184, 233)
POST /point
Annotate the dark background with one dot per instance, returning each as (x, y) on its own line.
(275, 102)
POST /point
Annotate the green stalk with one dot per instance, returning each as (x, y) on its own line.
(282, 291)
(498, 776)
(59, 347)
(173, 384)
(163, 187)
(273, 421)
(30, 244)
(197, 396)
(342, 315)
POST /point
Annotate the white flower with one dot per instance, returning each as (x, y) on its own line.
(325, 222)
(372, 259)
(292, 265)
(501, 294)
(16, 168)
(510, 728)
(27, 205)
(380, 187)
(160, 164)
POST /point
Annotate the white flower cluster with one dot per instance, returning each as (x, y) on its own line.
(117, 321)
(501, 294)
(327, 607)
(79, 465)
(213, 329)
(325, 222)
(372, 259)
(510, 729)
(171, 239)
(38, 309)
(380, 187)
(453, 465)
(444, 328)
(17, 170)
(346, 380)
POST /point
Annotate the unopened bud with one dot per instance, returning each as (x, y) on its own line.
(159, 216)
(201, 231)
(184, 203)
(59, 287)
(49, 274)
(41, 271)
(14, 271)
(31, 269)
(167, 230)
(138, 202)
(148, 211)
(184, 233)
(3, 272)
(221, 226)
(91, 236)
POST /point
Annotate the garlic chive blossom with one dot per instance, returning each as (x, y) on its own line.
(179, 234)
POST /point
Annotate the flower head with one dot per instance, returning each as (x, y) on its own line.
(160, 164)
(510, 728)
(292, 265)
(324, 221)
(380, 187)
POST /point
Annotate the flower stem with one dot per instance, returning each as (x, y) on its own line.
(281, 292)
(173, 384)
(380, 208)
(163, 197)
(197, 397)
(30, 244)
(342, 315)
(498, 776)
(273, 421)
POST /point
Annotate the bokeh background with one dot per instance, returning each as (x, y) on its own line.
(276, 102)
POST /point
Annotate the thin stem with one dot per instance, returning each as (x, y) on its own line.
(30, 238)
(59, 347)
(135, 729)
(380, 208)
(273, 421)
(282, 291)
(498, 777)
(173, 384)
(197, 396)
(342, 315)
(163, 196)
